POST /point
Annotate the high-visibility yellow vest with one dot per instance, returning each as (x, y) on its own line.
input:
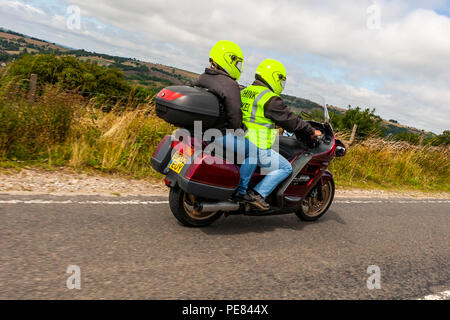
(261, 130)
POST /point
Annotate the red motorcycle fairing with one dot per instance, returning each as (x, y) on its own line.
(218, 181)
(203, 175)
(308, 168)
(223, 175)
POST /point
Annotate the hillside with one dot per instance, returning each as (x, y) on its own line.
(150, 75)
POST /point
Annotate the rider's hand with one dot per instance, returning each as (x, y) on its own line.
(316, 134)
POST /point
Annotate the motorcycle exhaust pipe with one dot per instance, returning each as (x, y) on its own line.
(217, 206)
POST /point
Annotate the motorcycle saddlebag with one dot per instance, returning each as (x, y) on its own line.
(205, 179)
(182, 105)
(162, 154)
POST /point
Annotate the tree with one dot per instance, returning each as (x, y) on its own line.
(368, 123)
(411, 138)
(440, 140)
(71, 74)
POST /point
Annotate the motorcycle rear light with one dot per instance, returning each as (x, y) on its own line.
(169, 95)
(180, 147)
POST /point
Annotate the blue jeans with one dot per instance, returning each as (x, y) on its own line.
(274, 165)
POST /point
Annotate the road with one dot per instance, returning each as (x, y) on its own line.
(133, 248)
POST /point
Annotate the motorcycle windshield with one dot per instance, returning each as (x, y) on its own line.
(311, 106)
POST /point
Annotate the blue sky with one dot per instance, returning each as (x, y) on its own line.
(388, 55)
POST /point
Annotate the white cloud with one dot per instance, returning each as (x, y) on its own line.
(408, 58)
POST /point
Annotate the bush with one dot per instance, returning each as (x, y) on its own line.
(106, 85)
(70, 74)
(439, 140)
(65, 129)
(411, 138)
(378, 163)
(29, 130)
(368, 123)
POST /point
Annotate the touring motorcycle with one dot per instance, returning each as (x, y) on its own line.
(202, 188)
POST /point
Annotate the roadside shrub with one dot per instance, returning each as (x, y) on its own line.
(29, 130)
(380, 163)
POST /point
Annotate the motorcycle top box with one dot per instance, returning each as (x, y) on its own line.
(182, 105)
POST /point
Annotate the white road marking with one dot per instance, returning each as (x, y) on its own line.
(444, 295)
(37, 201)
(143, 202)
(392, 201)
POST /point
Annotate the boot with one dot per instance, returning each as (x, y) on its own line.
(257, 201)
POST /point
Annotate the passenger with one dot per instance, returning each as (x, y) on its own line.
(226, 63)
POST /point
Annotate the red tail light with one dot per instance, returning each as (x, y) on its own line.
(169, 95)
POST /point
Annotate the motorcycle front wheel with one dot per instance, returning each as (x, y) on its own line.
(182, 207)
(312, 207)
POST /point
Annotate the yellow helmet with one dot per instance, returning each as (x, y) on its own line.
(229, 57)
(273, 73)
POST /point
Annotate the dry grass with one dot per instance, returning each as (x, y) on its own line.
(63, 129)
(389, 164)
(121, 142)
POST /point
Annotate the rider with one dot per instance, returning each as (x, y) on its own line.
(262, 109)
(226, 64)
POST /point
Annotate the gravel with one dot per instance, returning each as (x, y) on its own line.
(67, 182)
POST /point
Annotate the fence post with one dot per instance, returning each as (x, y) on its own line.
(32, 91)
(352, 137)
(421, 140)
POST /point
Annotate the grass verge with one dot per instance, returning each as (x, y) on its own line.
(61, 129)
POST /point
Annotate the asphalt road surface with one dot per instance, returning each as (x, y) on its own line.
(133, 248)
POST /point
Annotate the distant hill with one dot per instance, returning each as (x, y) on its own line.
(150, 75)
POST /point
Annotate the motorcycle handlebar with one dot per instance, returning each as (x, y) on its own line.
(310, 142)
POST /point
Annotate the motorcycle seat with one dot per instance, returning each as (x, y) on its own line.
(290, 147)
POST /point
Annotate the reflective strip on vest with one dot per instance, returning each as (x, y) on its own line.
(261, 130)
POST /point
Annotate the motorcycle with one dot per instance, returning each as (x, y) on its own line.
(201, 190)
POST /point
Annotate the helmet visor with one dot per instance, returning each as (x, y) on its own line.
(238, 65)
(282, 80)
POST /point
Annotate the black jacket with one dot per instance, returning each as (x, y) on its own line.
(228, 92)
(278, 112)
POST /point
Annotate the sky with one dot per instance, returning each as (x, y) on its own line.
(393, 56)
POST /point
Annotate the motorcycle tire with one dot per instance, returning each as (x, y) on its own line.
(185, 212)
(328, 195)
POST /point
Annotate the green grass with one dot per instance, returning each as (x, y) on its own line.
(376, 163)
(62, 129)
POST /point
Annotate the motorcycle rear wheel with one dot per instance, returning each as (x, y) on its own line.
(182, 207)
(312, 208)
